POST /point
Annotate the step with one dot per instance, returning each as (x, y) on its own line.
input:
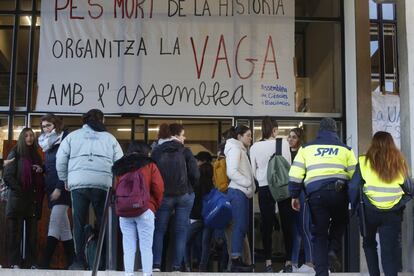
(40, 272)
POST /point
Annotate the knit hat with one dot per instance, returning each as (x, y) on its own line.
(328, 124)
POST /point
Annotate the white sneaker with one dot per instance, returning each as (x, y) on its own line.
(306, 269)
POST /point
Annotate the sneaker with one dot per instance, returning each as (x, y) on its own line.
(34, 267)
(268, 269)
(287, 269)
(156, 268)
(238, 266)
(306, 269)
(15, 267)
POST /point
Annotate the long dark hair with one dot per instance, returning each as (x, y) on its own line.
(234, 132)
(55, 120)
(268, 124)
(299, 132)
(385, 158)
(21, 148)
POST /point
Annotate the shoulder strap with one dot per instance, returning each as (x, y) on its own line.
(278, 146)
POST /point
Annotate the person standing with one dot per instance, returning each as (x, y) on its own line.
(84, 162)
(324, 166)
(179, 170)
(240, 190)
(50, 138)
(260, 154)
(383, 176)
(197, 225)
(142, 226)
(301, 232)
(23, 175)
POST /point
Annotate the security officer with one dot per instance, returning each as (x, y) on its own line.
(324, 166)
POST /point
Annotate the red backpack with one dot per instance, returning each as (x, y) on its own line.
(131, 195)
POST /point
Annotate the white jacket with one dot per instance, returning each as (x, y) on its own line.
(238, 166)
(260, 154)
(85, 158)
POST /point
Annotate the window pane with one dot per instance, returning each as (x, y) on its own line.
(120, 128)
(318, 52)
(4, 131)
(22, 61)
(317, 8)
(7, 5)
(6, 39)
(140, 130)
(390, 58)
(374, 49)
(26, 5)
(35, 62)
(373, 12)
(201, 135)
(19, 123)
(388, 11)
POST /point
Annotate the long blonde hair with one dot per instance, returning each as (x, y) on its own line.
(385, 158)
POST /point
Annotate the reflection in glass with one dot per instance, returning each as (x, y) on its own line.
(317, 8)
(6, 35)
(319, 70)
(22, 62)
(7, 5)
(4, 132)
(19, 123)
(388, 11)
(373, 10)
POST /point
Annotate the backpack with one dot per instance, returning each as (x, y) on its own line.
(221, 181)
(173, 168)
(216, 210)
(131, 195)
(278, 174)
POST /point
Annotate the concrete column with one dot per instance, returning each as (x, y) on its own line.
(405, 24)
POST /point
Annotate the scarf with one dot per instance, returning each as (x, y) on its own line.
(30, 179)
(48, 140)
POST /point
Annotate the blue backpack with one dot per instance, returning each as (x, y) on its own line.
(216, 210)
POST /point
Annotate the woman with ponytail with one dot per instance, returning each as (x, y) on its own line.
(382, 176)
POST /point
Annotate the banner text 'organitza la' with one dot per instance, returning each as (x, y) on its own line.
(169, 57)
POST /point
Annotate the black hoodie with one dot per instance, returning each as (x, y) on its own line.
(178, 167)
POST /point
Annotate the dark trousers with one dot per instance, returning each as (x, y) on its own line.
(81, 199)
(388, 226)
(329, 211)
(267, 221)
(16, 235)
(195, 229)
(287, 220)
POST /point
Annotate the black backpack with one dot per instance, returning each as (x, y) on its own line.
(173, 168)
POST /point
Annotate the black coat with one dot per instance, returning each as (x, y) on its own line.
(203, 188)
(174, 170)
(52, 180)
(22, 204)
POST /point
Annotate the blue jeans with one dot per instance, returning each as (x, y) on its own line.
(182, 206)
(388, 225)
(240, 212)
(195, 228)
(144, 226)
(81, 199)
(301, 233)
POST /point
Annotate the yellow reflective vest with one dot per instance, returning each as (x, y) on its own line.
(381, 194)
(318, 163)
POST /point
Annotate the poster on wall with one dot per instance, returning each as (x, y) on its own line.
(167, 57)
(386, 115)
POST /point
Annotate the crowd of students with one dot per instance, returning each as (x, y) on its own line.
(78, 169)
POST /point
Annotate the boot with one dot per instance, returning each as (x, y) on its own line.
(69, 249)
(49, 250)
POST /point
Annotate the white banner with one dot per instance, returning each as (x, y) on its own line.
(386, 115)
(167, 57)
